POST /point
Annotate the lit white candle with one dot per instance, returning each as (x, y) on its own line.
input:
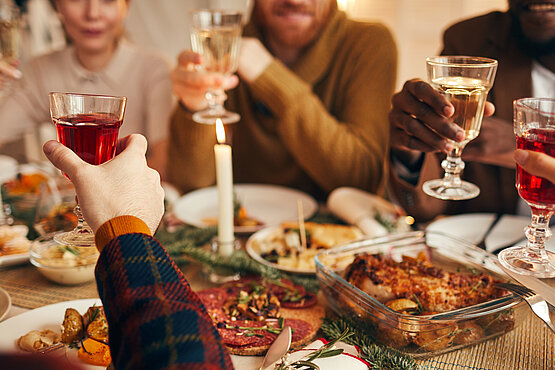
(224, 179)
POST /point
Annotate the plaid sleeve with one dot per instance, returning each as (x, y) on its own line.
(155, 320)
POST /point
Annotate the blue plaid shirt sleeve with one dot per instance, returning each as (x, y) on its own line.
(155, 319)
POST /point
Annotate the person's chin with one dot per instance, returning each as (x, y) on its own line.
(94, 46)
(295, 20)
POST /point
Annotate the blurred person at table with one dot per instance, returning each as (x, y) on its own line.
(97, 60)
(522, 39)
(313, 92)
(155, 320)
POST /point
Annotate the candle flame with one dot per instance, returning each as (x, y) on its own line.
(220, 132)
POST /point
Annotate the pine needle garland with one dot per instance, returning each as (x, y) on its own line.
(186, 242)
(378, 356)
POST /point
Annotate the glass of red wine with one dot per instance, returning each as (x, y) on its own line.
(534, 126)
(88, 125)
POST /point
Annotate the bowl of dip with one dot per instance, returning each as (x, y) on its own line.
(63, 264)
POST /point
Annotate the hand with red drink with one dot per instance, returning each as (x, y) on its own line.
(124, 185)
(535, 163)
(534, 126)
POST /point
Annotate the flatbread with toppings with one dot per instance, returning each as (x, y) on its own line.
(251, 312)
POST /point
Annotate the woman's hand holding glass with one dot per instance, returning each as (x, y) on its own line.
(190, 84)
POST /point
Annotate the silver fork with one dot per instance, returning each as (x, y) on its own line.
(50, 349)
(536, 302)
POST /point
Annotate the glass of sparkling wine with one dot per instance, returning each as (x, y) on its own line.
(88, 125)
(216, 35)
(534, 127)
(9, 35)
(465, 82)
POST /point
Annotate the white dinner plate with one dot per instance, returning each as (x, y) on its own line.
(46, 317)
(472, 226)
(270, 204)
(15, 259)
(5, 303)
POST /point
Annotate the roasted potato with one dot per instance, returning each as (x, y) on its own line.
(98, 327)
(72, 326)
(469, 332)
(392, 336)
(436, 339)
(403, 305)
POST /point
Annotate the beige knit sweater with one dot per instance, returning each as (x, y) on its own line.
(316, 126)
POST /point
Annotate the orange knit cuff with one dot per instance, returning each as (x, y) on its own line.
(119, 226)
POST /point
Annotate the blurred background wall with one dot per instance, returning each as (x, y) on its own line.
(417, 25)
(163, 24)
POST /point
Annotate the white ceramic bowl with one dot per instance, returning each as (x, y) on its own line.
(63, 265)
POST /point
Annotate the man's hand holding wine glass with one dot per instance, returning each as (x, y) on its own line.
(124, 185)
(420, 120)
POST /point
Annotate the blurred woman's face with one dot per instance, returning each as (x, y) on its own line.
(92, 25)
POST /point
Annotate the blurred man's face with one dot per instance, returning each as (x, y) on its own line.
(536, 18)
(292, 23)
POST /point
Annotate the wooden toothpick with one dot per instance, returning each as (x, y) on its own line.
(302, 229)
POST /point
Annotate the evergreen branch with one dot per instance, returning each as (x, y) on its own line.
(188, 243)
(378, 356)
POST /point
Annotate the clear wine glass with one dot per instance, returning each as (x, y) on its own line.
(534, 127)
(88, 125)
(9, 31)
(10, 24)
(465, 81)
(216, 36)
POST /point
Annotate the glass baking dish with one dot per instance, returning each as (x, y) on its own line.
(420, 335)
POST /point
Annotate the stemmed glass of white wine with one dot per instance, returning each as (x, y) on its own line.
(9, 31)
(465, 81)
(216, 36)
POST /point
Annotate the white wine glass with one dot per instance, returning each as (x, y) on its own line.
(10, 24)
(534, 127)
(216, 36)
(465, 81)
(9, 31)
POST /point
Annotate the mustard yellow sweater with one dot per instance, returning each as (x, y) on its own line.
(317, 125)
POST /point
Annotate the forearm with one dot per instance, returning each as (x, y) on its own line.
(155, 319)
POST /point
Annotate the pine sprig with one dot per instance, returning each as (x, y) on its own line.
(378, 356)
(194, 235)
(327, 350)
(187, 244)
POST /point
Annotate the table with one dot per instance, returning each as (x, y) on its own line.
(530, 346)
